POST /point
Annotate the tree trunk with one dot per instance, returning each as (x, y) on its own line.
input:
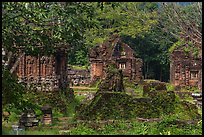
(161, 74)
(16, 63)
(147, 69)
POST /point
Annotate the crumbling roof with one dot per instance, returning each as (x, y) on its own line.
(109, 49)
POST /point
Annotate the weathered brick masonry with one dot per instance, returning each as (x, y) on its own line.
(185, 70)
(45, 73)
(114, 50)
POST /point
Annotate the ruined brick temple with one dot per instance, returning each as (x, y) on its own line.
(46, 73)
(185, 70)
(114, 50)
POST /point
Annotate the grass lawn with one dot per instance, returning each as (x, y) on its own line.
(121, 127)
(71, 126)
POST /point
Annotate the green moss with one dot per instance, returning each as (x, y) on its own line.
(79, 67)
(89, 89)
(80, 98)
(165, 100)
(170, 87)
(153, 86)
(157, 101)
(189, 110)
(190, 89)
(106, 106)
(177, 44)
(144, 108)
(128, 83)
(6, 130)
(95, 84)
(118, 105)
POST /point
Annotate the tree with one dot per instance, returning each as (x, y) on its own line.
(37, 28)
(126, 18)
(183, 22)
(42, 26)
(153, 50)
(137, 25)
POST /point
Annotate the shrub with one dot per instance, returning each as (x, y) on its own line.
(12, 91)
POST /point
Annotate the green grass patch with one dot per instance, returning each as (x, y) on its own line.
(80, 98)
(170, 87)
(189, 89)
(78, 89)
(166, 126)
(42, 131)
(79, 67)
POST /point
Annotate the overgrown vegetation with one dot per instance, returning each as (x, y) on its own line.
(12, 91)
(16, 98)
(41, 27)
(166, 126)
(115, 106)
(155, 102)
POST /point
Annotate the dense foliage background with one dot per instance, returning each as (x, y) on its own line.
(150, 28)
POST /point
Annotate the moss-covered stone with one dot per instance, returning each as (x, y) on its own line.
(116, 105)
(144, 108)
(186, 111)
(110, 103)
(164, 100)
(106, 105)
(119, 105)
(113, 80)
(153, 85)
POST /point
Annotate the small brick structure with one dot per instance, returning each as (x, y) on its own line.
(185, 70)
(28, 119)
(47, 114)
(114, 50)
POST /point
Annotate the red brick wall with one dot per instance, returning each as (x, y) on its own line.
(32, 69)
(181, 67)
(96, 70)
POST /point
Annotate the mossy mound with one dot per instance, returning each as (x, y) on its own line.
(107, 105)
(153, 85)
(186, 111)
(163, 100)
(143, 108)
(119, 105)
(112, 102)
